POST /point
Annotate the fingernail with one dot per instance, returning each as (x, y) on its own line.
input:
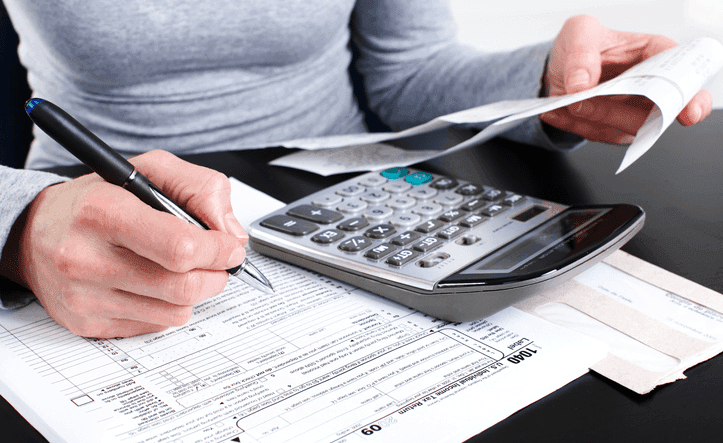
(583, 108)
(577, 79)
(237, 257)
(234, 227)
(696, 114)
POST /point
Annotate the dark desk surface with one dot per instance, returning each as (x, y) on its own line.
(679, 184)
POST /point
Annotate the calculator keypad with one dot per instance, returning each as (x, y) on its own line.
(398, 217)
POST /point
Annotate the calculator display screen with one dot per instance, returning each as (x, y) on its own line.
(561, 233)
(559, 242)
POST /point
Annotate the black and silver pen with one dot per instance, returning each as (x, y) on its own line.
(115, 169)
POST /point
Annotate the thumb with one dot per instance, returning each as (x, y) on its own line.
(583, 39)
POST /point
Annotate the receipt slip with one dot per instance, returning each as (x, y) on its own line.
(668, 79)
(656, 324)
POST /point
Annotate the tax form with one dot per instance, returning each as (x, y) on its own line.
(316, 361)
(669, 79)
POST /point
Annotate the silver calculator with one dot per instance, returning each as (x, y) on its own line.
(450, 248)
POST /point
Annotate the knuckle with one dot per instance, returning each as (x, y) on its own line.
(185, 288)
(180, 315)
(69, 263)
(85, 328)
(183, 250)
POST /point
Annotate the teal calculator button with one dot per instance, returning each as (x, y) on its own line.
(419, 178)
(395, 173)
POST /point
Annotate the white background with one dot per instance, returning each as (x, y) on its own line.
(508, 24)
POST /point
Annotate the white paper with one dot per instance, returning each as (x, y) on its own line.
(657, 324)
(316, 361)
(669, 79)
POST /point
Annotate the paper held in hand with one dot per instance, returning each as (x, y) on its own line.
(669, 79)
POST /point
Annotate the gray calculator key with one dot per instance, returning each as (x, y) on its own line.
(351, 190)
(473, 205)
(493, 194)
(450, 232)
(451, 215)
(328, 236)
(428, 209)
(443, 183)
(405, 238)
(492, 210)
(397, 186)
(449, 199)
(315, 214)
(355, 244)
(289, 225)
(405, 219)
(427, 244)
(381, 231)
(429, 226)
(472, 220)
(372, 181)
(380, 251)
(513, 200)
(469, 189)
(375, 196)
(353, 224)
(327, 200)
(379, 213)
(402, 257)
(422, 193)
(401, 203)
(352, 206)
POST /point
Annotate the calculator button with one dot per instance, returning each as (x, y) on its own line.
(375, 197)
(473, 205)
(429, 226)
(380, 251)
(450, 232)
(493, 194)
(433, 260)
(379, 213)
(405, 219)
(352, 206)
(493, 210)
(289, 225)
(372, 181)
(402, 257)
(422, 193)
(427, 244)
(449, 199)
(513, 200)
(405, 238)
(355, 244)
(444, 183)
(327, 200)
(400, 203)
(451, 215)
(469, 189)
(353, 224)
(351, 190)
(397, 187)
(394, 173)
(315, 214)
(381, 231)
(472, 220)
(328, 237)
(428, 209)
(419, 178)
